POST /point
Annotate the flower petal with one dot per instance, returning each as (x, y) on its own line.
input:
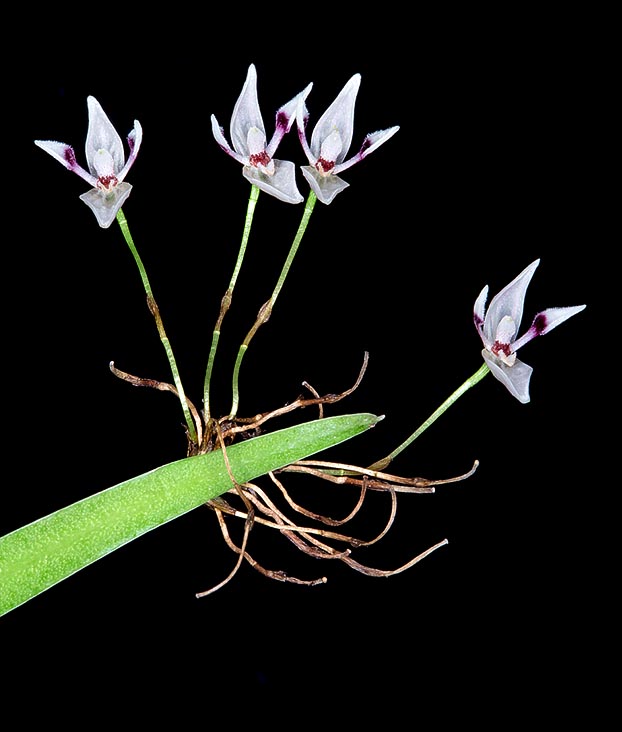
(105, 204)
(66, 155)
(246, 113)
(508, 302)
(133, 140)
(302, 117)
(102, 135)
(479, 309)
(515, 378)
(281, 185)
(219, 135)
(370, 143)
(325, 187)
(552, 317)
(285, 117)
(340, 115)
(545, 321)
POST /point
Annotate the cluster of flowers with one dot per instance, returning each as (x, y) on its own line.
(326, 152)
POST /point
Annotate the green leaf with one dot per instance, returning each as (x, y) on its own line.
(47, 551)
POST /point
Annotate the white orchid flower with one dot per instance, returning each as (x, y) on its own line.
(106, 161)
(498, 328)
(248, 135)
(330, 142)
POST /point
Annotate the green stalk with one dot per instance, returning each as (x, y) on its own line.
(266, 309)
(47, 551)
(154, 310)
(476, 378)
(226, 300)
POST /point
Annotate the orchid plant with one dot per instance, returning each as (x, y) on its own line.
(250, 146)
(498, 330)
(220, 468)
(330, 142)
(106, 162)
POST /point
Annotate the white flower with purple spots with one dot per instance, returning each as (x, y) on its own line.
(106, 162)
(498, 328)
(250, 146)
(330, 142)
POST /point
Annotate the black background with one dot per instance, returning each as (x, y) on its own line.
(502, 129)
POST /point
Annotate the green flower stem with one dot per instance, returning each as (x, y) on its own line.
(266, 309)
(226, 300)
(477, 377)
(154, 310)
(47, 551)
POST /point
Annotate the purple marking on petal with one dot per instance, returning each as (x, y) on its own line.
(282, 121)
(365, 145)
(324, 166)
(261, 158)
(70, 157)
(107, 182)
(539, 324)
(504, 347)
